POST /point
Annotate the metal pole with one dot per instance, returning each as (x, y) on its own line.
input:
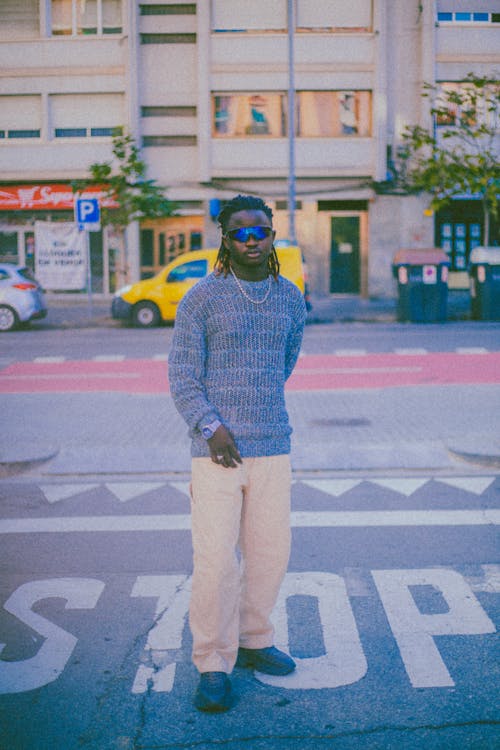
(291, 123)
(89, 274)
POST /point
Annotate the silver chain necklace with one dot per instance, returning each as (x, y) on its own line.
(247, 296)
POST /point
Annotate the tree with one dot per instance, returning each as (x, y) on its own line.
(124, 181)
(461, 153)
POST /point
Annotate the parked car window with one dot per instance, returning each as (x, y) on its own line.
(3, 274)
(194, 269)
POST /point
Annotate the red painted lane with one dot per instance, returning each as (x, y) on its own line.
(313, 372)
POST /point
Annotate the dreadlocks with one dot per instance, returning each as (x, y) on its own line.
(243, 203)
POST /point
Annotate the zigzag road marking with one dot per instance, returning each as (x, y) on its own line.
(125, 491)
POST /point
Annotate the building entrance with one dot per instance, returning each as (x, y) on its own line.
(345, 257)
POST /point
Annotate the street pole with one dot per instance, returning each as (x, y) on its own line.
(291, 123)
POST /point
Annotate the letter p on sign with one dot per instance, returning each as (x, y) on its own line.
(87, 213)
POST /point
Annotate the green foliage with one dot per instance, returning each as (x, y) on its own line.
(136, 196)
(461, 154)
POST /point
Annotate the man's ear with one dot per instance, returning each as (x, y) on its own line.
(225, 241)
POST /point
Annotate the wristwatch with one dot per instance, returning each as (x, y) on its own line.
(208, 430)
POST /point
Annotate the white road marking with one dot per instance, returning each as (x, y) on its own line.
(471, 350)
(306, 519)
(49, 360)
(489, 582)
(477, 485)
(404, 486)
(412, 351)
(160, 357)
(125, 491)
(350, 352)
(52, 656)
(54, 493)
(414, 632)
(344, 662)
(333, 487)
(108, 358)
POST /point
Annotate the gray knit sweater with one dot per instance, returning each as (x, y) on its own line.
(230, 359)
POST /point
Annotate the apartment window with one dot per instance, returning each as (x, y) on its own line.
(19, 19)
(254, 115)
(467, 17)
(20, 117)
(177, 9)
(333, 114)
(168, 38)
(86, 115)
(454, 114)
(318, 15)
(86, 17)
(168, 111)
(241, 15)
(169, 140)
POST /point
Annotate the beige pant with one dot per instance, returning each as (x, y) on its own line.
(232, 598)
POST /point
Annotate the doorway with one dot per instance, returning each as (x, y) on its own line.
(345, 255)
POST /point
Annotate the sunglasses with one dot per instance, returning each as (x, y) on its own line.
(243, 234)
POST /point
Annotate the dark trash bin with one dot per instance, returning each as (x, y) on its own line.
(422, 276)
(484, 276)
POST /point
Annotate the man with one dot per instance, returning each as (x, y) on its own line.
(236, 340)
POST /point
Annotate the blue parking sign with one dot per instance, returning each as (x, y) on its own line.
(87, 213)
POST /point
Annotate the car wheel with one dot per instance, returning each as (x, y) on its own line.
(145, 315)
(8, 318)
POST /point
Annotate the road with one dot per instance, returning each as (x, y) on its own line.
(390, 605)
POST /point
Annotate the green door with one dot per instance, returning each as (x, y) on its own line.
(345, 255)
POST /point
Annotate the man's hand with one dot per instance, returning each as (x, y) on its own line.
(223, 449)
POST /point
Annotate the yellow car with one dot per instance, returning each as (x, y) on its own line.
(152, 301)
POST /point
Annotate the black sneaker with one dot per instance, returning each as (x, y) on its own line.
(267, 660)
(214, 692)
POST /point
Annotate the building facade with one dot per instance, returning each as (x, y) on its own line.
(204, 89)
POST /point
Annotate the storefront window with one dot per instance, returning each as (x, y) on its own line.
(8, 246)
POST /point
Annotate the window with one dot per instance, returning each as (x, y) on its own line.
(168, 38)
(86, 115)
(20, 117)
(19, 19)
(320, 114)
(317, 15)
(177, 9)
(194, 269)
(241, 15)
(454, 114)
(168, 111)
(333, 114)
(86, 17)
(254, 115)
(467, 17)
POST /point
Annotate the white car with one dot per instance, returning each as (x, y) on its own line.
(21, 297)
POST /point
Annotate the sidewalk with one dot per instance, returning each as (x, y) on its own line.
(412, 429)
(75, 311)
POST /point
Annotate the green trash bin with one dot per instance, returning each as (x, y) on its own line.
(484, 276)
(422, 277)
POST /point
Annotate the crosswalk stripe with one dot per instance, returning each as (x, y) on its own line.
(317, 519)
